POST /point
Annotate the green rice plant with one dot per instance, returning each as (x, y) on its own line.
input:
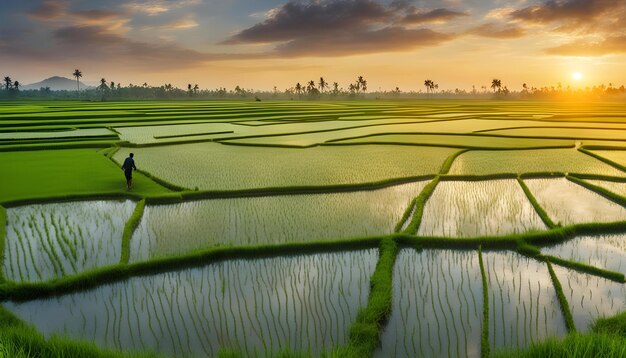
(449, 161)
(365, 330)
(567, 314)
(540, 211)
(70, 134)
(3, 233)
(477, 162)
(478, 208)
(581, 267)
(523, 304)
(212, 166)
(319, 136)
(21, 341)
(590, 297)
(611, 325)
(618, 199)
(179, 228)
(485, 348)
(437, 305)
(598, 133)
(569, 203)
(223, 130)
(51, 240)
(460, 140)
(420, 202)
(260, 306)
(573, 346)
(404, 220)
(56, 173)
(129, 229)
(603, 251)
(615, 158)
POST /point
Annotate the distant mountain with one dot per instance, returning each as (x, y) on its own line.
(56, 83)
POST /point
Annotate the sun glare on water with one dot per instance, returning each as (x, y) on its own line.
(577, 76)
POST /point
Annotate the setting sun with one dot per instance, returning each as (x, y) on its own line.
(577, 76)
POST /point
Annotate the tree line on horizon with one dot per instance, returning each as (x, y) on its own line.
(311, 89)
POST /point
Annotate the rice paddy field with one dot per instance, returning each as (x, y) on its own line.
(430, 228)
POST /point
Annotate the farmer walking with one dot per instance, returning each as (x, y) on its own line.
(127, 167)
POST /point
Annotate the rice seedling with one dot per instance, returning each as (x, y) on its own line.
(466, 141)
(569, 203)
(578, 133)
(529, 161)
(478, 208)
(615, 187)
(213, 166)
(179, 228)
(257, 307)
(523, 304)
(617, 156)
(68, 134)
(590, 297)
(47, 241)
(603, 251)
(156, 133)
(437, 305)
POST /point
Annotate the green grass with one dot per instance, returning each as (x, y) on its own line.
(366, 329)
(573, 346)
(31, 175)
(3, 234)
(615, 325)
(129, 229)
(565, 309)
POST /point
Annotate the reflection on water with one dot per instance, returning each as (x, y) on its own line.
(437, 305)
(603, 251)
(590, 296)
(570, 203)
(179, 228)
(304, 303)
(478, 208)
(523, 306)
(52, 240)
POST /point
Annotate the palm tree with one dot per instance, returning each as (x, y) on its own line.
(8, 83)
(78, 75)
(429, 85)
(195, 88)
(353, 88)
(112, 86)
(103, 85)
(310, 86)
(16, 85)
(496, 84)
(361, 84)
(190, 90)
(322, 84)
(335, 87)
(298, 88)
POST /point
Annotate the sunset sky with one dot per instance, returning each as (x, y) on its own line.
(265, 43)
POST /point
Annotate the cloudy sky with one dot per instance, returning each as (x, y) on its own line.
(265, 43)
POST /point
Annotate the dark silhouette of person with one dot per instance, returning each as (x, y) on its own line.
(127, 167)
